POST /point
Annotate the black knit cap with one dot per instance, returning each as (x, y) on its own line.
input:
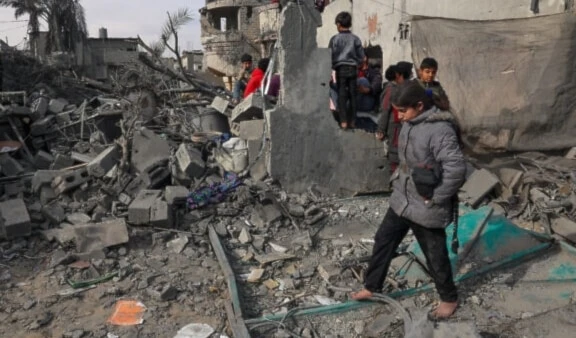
(246, 58)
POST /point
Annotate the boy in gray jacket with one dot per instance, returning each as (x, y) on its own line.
(347, 55)
(429, 148)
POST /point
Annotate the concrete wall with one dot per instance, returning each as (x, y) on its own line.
(377, 22)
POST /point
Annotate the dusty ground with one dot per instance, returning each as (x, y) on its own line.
(500, 304)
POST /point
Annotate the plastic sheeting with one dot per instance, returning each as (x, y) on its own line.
(511, 82)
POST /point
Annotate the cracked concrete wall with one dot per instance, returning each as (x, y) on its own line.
(307, 148)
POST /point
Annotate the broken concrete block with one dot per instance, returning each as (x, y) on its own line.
(156, 178)
(220, 104)
(252, 130)
(161, 215)
(97, 236)
(245, 236)
(54, 213)
(235, 129)
(478, 185)
(78, 218)
(82, 158)
(69, 180)
(278, 248)
(43, 126)
(255, 275)
(268, 213)
(43, 160)
(177, 245)
(57, 106)
(510, 178)
(139, 210)
(249, 109)
(258, 169)
(10, 167)
(14, 219)
(43, 177)
(175, 193)
(61, 162)
(148, 150)
(565, 228)
(190, 160)
(164, 294)
(272, 257)
(329, 272)
(105, 161)
(47, 195)
(271, 284)
(571, 155)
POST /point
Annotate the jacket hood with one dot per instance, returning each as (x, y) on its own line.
(435, 115)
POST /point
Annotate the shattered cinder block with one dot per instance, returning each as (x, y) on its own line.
(62, 161)
(161, 214)
(478, 185)
(174, 193)
(54, 213)
(139, 210)
(156, 178)
(148, 150)
(57, 106)
(220, 104)
(249, 109)
(70, 180)
(14, 219)
(43, 160)
(190, 160)
(10, 167)
(44, 178)
(252, 130)
(105, 161)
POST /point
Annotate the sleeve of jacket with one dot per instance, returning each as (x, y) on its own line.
(376, 82)
(252, 85)
(359, 50)
(448, 154)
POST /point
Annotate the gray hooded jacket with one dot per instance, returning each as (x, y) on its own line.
(429, 140)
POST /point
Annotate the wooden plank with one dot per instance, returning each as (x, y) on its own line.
(235, 314)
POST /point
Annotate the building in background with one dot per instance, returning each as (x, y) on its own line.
(193, 60)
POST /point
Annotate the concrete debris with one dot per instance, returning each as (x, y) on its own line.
(245, 236)
(278, 248)
(195, 331)
(104, 162)
(178, 245)
(175, 194)
(249, 109)
(477, 187)
(252, 130)
(255, 275)
(14, 219)
(148, 150)
(190, 161)
(220, 104)
(96, 236)
(140, 209)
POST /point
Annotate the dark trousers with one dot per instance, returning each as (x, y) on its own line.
(433, 244)
(346, 77)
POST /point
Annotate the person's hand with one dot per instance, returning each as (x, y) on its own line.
(380, 136)
(363, 90)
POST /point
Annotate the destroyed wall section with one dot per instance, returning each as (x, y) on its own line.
(307, 148)
(223, 49)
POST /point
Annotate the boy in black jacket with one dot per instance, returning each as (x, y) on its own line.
(347, 55)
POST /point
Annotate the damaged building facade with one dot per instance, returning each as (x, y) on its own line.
(494, 116)
(231, 28)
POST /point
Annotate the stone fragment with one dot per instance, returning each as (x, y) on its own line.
(296, 210)
(174, 194)
(258, 169)
(255, 275)
(42, 178)
(278, 248)
(82, 158)
(329, 272)
(178, 245)
(139, 209)
(245, 236)
(62, 161)
(97, 236)
(249, 109)
(43, 160)
(105, 161)
(477, 186)
(167, 293)
(78, 218)
(252, 130)
(56, 106)
(161, 214)
(272, 257)
(565, 228)
(43, 126)
(220, 104)
(271, 284)
(14, 219)
(10, 167)
(268, 212)
(54, 213)
(47, 195)
(190, 160)
(148, 150)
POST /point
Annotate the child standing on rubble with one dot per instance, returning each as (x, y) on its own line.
(427, 79)
(347, 55)
(431, 170)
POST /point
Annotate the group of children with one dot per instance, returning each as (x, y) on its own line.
(425, 155)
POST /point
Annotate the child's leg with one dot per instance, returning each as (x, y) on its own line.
(386, 242)
(342, 84)
(352, 92)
